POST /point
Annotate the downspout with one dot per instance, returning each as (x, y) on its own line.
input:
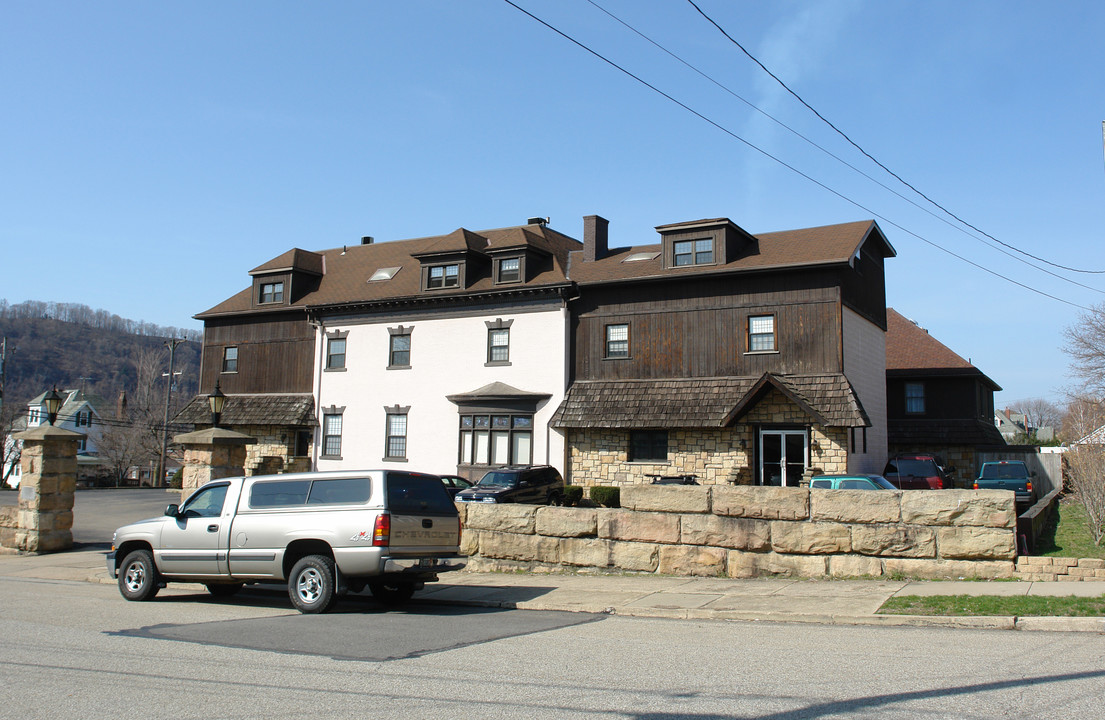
(320, 335)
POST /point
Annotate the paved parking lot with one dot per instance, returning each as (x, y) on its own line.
(96, 513)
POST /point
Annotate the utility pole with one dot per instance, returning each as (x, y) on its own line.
(171, 344)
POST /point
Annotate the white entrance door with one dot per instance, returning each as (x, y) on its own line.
(783, 456)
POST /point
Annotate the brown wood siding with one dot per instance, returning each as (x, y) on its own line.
(946, 398)
(863, 286)
(275, 354)
(699, 329)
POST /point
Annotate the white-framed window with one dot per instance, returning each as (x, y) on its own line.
(617, 341)
(271, 292)
(395, 443)
(443, 276)
(230, 359)
(399, 354)
(693, 252)
(331, 435)
(510, 270)
(498, 345)
(335, 354)
(761, 333)
(499, 439)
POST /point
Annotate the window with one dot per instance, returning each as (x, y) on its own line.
(761, 333)
(510, 270)
(914, 397)
(400, 352)
(34, 416)
(207, 502)
(331, 435)
(496, 439)
(648, 445)
(230, 360)
(84, 418)
(396, 442)
(271, 293)
(498, 346)
(335, 354)
(617, 341)
(693, 252)
(442, 276)
(334, 491)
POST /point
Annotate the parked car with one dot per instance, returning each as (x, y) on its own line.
(539, 484)
(1007, 475)
(454, 484)
(851, 482)
(917, 472)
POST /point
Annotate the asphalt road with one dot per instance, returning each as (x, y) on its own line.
(97, 512)
(78, 650)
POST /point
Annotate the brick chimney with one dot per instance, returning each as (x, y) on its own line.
(595, 238)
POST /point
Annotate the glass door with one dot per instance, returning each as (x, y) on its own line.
(782, 457)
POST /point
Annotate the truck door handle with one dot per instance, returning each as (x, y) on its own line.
(212, 528)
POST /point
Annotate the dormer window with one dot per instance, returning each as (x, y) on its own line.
(508, 270)
(271, 292)
(443, 276)
(693, 252)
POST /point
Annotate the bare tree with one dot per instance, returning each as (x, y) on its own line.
(135, 439)
(1082, 417)
(1086, 460)
(1087, 470)
(1086, 347)
(1038, 413)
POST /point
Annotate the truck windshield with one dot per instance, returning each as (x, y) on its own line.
(499, 479)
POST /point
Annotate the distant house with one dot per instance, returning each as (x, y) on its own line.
(79, 412)
(937, 402)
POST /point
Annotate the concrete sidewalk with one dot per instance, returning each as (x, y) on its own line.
(833, 602)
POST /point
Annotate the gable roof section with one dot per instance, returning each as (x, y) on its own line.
(345, 271)
(704, 402)
(295, 259)
(910, 350)
(828, 245)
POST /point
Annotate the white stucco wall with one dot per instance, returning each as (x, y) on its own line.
(865, 368)
(448, 356)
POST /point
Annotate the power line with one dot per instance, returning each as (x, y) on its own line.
(793, 169)
(874, 160)
(884, 186)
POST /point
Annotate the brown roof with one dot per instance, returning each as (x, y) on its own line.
(346, 270)
(704, 402)
(910, 350)
(791, 248)
(295, 410)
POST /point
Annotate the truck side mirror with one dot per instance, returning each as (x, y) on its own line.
(172, 511)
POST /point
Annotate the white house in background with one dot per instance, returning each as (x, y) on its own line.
(78, 413)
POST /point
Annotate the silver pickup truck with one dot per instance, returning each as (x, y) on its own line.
(325, 534)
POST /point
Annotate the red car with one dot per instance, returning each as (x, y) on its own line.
(917, 472)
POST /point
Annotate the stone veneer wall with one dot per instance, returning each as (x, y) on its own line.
(1060, 568)
(271, 444)
(9, 524)
(745, 532)
(718, 456)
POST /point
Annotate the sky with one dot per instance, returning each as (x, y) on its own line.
(151, 154)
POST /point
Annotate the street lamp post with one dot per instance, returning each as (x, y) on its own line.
(216, 399)
(52, 400)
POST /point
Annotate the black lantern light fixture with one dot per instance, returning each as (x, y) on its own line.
(52, 401)
(217, 399)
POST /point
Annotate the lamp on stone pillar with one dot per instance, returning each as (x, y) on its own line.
(52, 401)
(216, 399)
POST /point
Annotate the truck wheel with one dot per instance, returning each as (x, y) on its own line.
(138, 576)
(311, 585)
(224, 589)
(390, 592)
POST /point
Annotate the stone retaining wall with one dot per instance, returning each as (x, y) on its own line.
(9, 523)
(745, 532)
(1060, 568)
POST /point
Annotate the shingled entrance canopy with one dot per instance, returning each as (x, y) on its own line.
(704, 402)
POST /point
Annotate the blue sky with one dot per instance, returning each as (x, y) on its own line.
(153, 153)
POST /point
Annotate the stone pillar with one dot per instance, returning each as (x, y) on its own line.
(209, 455)
(49, 466)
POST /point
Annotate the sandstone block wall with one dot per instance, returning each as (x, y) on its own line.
(1060, 568)
(741, 532)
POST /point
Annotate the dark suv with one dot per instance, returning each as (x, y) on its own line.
(538, 485)
(918, 471)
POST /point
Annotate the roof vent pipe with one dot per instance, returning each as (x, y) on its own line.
(367, 240)
(538, 221)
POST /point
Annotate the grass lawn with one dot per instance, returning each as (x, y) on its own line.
(1070, 537)
(1020, 606)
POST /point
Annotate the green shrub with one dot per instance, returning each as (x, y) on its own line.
(610, 497)
(177, 480)
(572, 495)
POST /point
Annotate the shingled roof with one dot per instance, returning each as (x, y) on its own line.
(704, 402)
(346, 271)
(910, 350)
(827, 245)
(293, 410)
(918, 433)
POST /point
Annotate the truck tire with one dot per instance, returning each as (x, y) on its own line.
(138, 576)
(391, 592)
(311, 585)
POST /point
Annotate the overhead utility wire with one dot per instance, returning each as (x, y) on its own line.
(872, 158)
(884, 186)
(793, 169)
